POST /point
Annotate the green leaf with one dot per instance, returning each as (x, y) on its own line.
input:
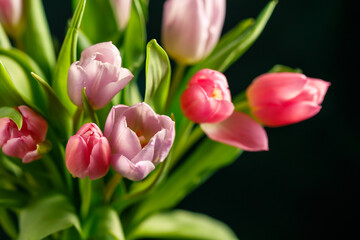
(135, 39)
(158, 72)
(36, 38)
(11, 198)
(104, 223)
(4, 40)
(46, 216)
(12, 114)
(199, 166)
(7, 223)
(9, 96)
(66, 57)
(58, 115)
(282, 68)
(88, 110)
(181, 224)
(100, 21)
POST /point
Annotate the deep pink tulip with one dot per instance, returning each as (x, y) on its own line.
(238, 130)
(23, 144)
(10, 13)
(192, 28)
(278, 99)
(88, 153)
(100, 71)
(207, 98)
(139, 139)
(122, 9)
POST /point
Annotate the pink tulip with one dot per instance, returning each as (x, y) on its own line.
(207, 98)
(191, 28)
(139, 139)
(239, 130)
(122, 10)
(99, 71)
(278, 99)
(23, 144)
(10, 13)
(88, 153)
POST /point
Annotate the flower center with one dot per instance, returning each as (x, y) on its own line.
(143, 141)
(217, 94)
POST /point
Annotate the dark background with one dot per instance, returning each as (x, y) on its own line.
(307, 185)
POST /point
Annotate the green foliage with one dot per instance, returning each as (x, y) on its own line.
(12, 114)
(9, 96)
(282, 68)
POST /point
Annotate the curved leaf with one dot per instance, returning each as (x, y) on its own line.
(9, 96)
(4, 40)
(13, 115)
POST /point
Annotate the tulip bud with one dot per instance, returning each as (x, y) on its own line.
(10, 14)
(122, 9)
(191, 28)
(207, 98)
(88, 153)
(139, 139)
(279, 99)
(23, 144)
(99, 71)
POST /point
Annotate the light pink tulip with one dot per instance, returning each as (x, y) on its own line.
(139, 139)
(99, 71)
(192, 28)
(88, 153)
(239, 130)
(23, 144)
(122, 9)
(207, 98)
(278, 99)
(10, 13)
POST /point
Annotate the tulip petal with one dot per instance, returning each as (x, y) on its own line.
(77, 80)
(105, 52)
(99, 159)
(31, 156)
(239, 130)
(18, 147)
(128, 169)
(322, 87)
(4, 130)
(77, 157)
(36, 125)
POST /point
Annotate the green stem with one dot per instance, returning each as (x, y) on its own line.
(85, 189)
(54, 175)
(111, 186)
(176, 79)
(7, 224)
(76, 119)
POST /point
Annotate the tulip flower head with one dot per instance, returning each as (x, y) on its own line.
(99, 71)
(279, 99)
(139, 139)
(23, 143)
(122, 9)
(10, 13)
(207, 98)
(192, 28)
(88, 153)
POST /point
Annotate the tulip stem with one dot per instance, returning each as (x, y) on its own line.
(111, 186)
(85, 188)
(176, 78)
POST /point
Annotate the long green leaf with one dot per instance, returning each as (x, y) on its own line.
(36, 38)
(11, 198)
(199, 166)
(158, 73)
(4, 40)
(103, 223)
(46, 216)
(9, 96)
(66, 57)
(180, 224)
(12, 114)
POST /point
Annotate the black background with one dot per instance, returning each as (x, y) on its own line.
(307, 185)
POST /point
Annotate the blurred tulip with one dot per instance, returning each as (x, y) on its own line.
(192, 28)
(10, 14)
(88, 153)
(23, 144)
(139, 139)
(207, 98)
(99, 71)
(122, 9)
(238, 130)
(279, 99)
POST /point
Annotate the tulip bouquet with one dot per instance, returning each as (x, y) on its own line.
(100, 138)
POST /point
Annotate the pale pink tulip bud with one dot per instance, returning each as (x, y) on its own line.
(139, 139)
(99, 71)
(10, 13)
(23, 144)
(207, 98)
(192, 28)
(279, 99)
(88, 153)
(122, 9)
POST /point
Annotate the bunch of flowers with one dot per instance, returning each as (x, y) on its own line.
(87, 155)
